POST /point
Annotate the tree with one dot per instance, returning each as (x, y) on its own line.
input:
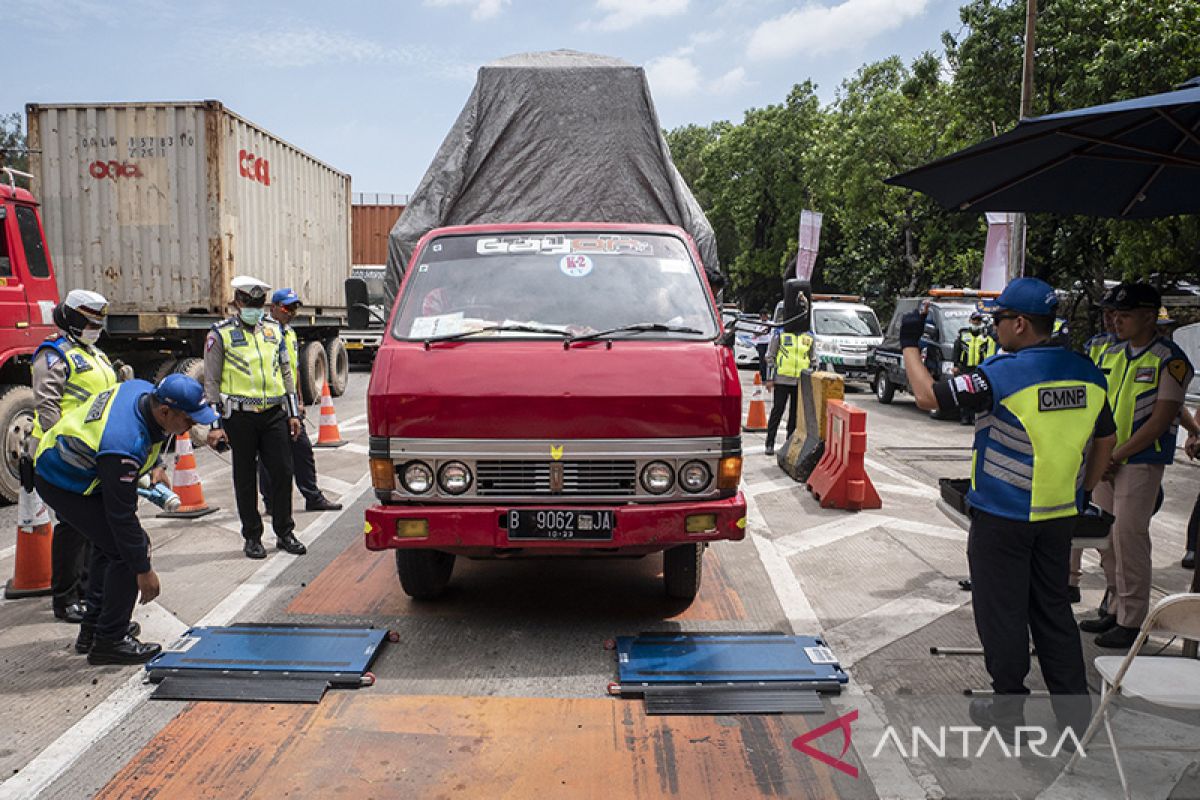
(12, 143)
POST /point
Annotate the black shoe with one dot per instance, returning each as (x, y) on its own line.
(83, 642)
(770, 449)
(1189, 560)
(322, 504)
(1099, 625)
(1118, 637)
(72, 613)
(1073, 591)
(983, 714)
(254, 549)
(124, 651)
(291, 544)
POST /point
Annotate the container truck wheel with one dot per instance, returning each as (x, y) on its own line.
(339, 365)
(194, 368)
(314, 369)
(885, 390)
(682, 568)
(16, 414)
(424, 574)
(158, 369)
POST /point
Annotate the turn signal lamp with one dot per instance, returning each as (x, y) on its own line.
(412, 528)
(729, 475)
(383, 474)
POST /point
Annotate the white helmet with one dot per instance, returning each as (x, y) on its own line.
(92, 305)
(252, 288)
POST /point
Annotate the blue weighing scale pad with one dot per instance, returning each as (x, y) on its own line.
(254, 649)
(653, 660)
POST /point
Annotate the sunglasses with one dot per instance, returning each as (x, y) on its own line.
(1000, 317)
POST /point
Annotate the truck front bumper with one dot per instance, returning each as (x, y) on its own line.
(477, 530)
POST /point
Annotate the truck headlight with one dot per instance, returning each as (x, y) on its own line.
(695, 476)
(454, 477)
(417, 477)
(658, 477)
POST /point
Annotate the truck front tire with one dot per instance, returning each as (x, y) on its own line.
(682, 568)
(16, 414)
(339, 365)
(424, 574)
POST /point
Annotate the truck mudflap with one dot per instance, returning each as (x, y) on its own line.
(482, 530)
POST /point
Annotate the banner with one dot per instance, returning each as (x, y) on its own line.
(996, 252)
(810, 240)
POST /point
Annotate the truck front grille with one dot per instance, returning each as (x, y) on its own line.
(510, 478)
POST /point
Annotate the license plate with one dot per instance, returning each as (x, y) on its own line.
(557, 523)
(354, 345)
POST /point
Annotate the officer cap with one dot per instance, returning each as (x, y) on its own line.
(91, 305)
(1110, 295)
(185, 394)
(1136, 295)
(251, 287)
(285, 297)
(1029, 296)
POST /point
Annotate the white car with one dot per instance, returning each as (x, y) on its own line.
(844, 334)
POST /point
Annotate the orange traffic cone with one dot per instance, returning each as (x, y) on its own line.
(328, 435)
(756, 415)
(31, 573)
(187, 483)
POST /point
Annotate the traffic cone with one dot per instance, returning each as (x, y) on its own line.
(31, 573)
(328, 435)
(756, 415)
(187, 483)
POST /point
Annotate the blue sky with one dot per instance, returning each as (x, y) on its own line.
(373, 87)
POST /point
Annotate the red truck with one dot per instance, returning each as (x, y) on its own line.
(28, 293)
(554, 390)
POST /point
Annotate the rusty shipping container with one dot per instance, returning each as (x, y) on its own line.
(159, 205)
(370, 225)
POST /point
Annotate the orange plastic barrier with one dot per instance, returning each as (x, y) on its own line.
(186, 483)
(840, 479)
(756, 414)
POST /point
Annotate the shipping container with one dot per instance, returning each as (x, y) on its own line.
(158, 206)
(370, 225)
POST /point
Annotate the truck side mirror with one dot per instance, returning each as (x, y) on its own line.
(797, 304)
(358, 311)
(730, 334)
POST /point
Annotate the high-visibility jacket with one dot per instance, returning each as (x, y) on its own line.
(991, 347)
(1096, 346)
(792, 358)
(88, 372)
(292, 342)
(252, 374)
(1133, 383)
(974, 347)
(110, 423)
(1028, 460)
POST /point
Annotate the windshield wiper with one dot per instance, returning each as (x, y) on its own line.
(640, 327)
(502, 328)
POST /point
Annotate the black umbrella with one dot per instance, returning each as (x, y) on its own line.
(1135, 159)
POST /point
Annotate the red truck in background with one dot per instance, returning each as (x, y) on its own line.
(554, 390)
(28, 293)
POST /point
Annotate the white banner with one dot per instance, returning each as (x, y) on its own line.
(995, 252)
(810, 240)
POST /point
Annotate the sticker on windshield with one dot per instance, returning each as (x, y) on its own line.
(439, 325)
(575, 266)
(674, 266)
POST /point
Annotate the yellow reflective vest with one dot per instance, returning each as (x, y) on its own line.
(792, 358)
(88, 372)
(1133, 383)
(252, 372)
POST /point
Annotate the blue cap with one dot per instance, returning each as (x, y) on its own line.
(285, 297)
(185, 394)
(1029, 296)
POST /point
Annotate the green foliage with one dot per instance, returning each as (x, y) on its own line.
(753, 178)
(12, 142)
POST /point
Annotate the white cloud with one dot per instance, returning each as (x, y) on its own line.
(820, 30)
(305, 47)
(482, 9)
(730, 82)
(624, 14)
(673, 76)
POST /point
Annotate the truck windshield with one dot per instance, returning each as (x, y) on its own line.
(845, 322)
(574, 283)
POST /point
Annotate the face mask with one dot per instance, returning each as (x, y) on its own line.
(90, 335)
(250, 316)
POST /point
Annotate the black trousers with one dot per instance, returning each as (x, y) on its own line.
(1193, 525)
(762, 360)
(1019, 586)
(112, 585)
(69, 555)
(261, 437)
(304, 465)
(785, 396)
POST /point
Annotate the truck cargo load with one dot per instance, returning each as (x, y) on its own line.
(558, 136)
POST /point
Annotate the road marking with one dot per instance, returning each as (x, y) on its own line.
(828, 533)
(799, 612)
(357, 418)
(858, 638)
(8, 551)
(893, 777)
(924, 489)
(355, 447)
(69, 747)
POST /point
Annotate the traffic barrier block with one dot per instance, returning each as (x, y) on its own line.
(804, 446)
(840, 479)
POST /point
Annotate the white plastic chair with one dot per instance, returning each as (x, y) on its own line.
(1168, 681)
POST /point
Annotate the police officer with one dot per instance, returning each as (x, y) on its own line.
(788, 356)
(67, 370)
(87, 467)
(248, 377)
(1147, 378)
(1038, 407)
(970, 349)
(285, 304)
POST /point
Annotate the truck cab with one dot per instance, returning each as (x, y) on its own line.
(554, 390)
